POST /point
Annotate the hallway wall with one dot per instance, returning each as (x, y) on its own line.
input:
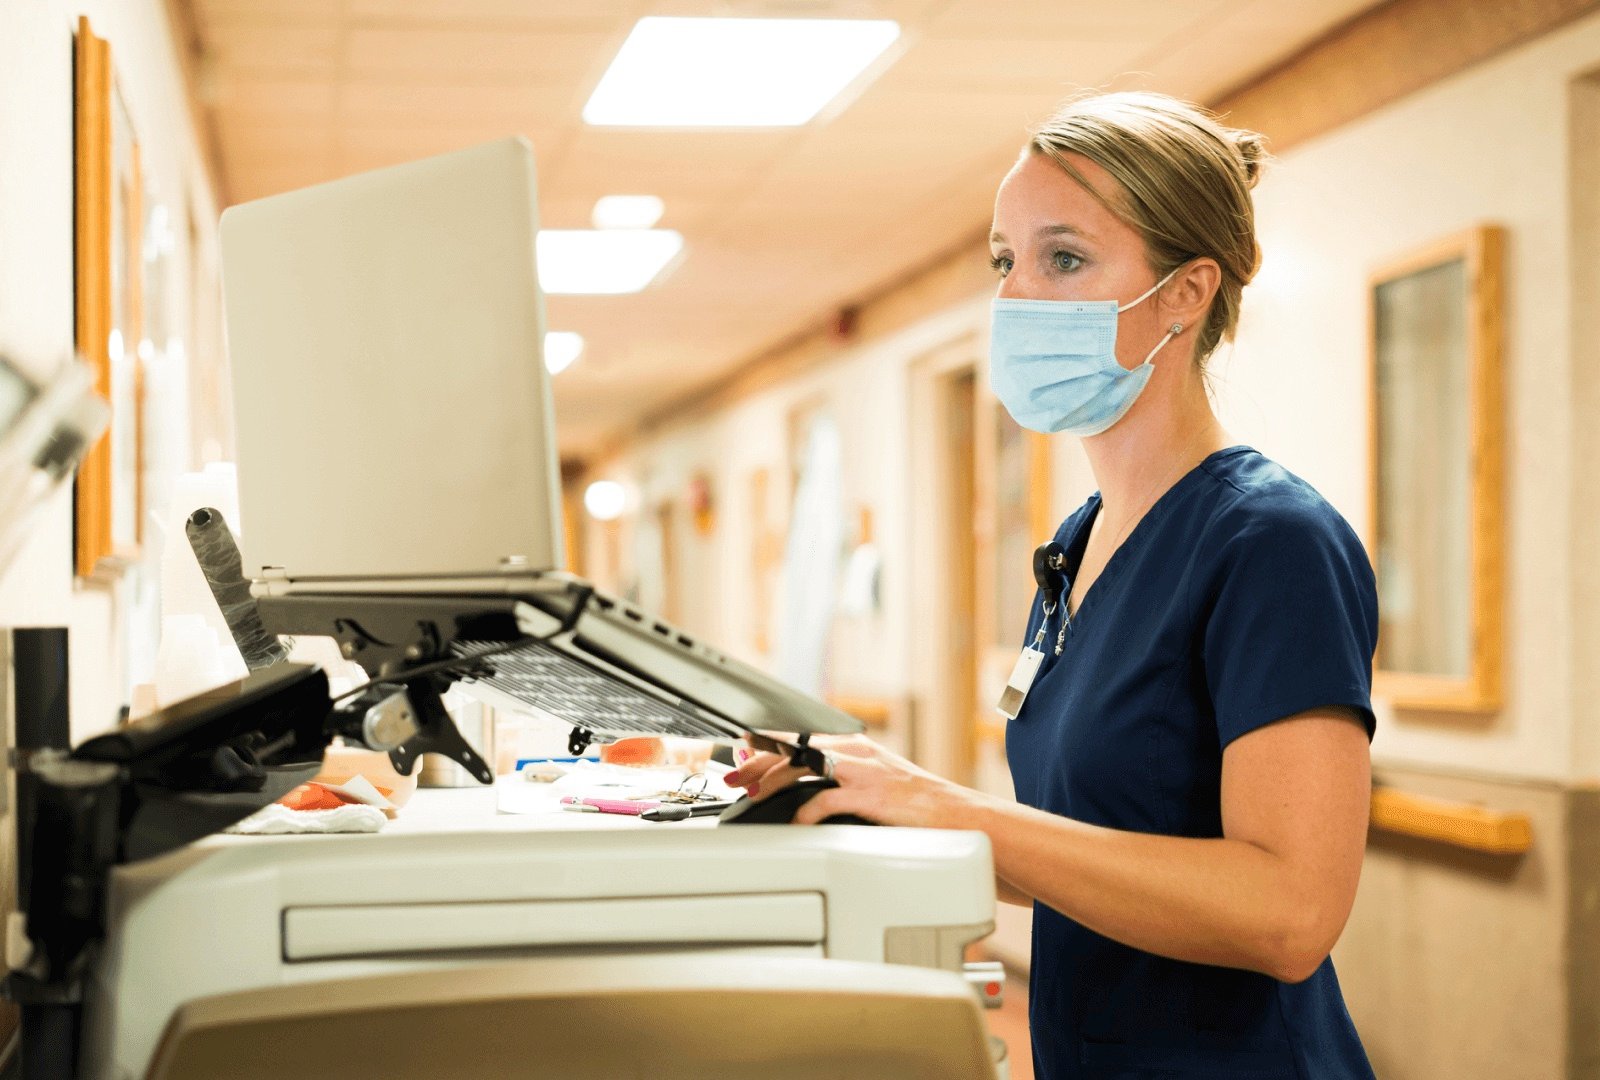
(36, 315)
(1479, 954)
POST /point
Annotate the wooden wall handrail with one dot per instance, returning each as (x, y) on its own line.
(871, 711)
(1476, 828)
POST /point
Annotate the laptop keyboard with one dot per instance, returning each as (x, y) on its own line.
(555, 683)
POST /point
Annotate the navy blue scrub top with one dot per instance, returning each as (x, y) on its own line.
(1240, 598)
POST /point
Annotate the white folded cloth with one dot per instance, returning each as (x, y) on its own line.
(275, 819)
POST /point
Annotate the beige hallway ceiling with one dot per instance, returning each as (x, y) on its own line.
(781, 226)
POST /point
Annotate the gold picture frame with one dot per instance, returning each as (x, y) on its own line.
(1437, 449)
(108, 213)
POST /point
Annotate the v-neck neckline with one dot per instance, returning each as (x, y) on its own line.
(1078, 544)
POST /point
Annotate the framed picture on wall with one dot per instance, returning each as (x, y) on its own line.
(108, 216)
(1437, 448)
(126, 342)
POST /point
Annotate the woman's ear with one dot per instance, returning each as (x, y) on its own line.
(1187, 297)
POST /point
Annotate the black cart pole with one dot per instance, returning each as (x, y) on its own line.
(47, 1046)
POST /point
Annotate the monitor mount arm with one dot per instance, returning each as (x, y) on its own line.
(404, 643)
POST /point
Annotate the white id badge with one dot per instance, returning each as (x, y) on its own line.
(1022, 676)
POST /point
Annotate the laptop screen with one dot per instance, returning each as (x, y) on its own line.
(391, 404)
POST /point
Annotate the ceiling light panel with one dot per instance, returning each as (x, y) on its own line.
(732, 72)
(627, 211)
(603, 261)
(561, 348)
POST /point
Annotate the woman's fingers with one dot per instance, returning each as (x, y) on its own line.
(873, 782)
(777, 778)
(854, 744)
(825, 804)
(752, 767)
(764, 773)
(750, 763)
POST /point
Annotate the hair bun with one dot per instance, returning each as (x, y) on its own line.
(1252, 150)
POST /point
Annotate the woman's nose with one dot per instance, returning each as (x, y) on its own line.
(1016, 286)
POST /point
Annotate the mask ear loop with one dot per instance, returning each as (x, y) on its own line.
(1146, 294)
(1172, 332)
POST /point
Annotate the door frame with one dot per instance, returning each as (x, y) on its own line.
(942, 476)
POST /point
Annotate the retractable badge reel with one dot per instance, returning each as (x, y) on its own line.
(1048, 560)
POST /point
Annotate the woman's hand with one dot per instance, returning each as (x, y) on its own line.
(874, 783)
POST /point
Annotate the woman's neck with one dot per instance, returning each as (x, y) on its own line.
(1138, 458)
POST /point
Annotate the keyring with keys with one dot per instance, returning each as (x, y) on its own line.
(687, 790)
(1049, 573)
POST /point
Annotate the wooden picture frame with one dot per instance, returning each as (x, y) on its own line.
(1437, 452)
(107, 218)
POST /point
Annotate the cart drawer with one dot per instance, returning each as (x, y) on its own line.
(324, 932)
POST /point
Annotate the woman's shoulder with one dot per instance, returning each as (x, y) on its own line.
(1255, 499)
(1067, 528)
(1271, 542)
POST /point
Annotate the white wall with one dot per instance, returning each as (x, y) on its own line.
(865, 389)
(36, 287)
(1487, 145)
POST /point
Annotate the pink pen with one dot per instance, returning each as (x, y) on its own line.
(612, 806)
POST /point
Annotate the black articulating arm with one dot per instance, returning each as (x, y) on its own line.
(144, 789)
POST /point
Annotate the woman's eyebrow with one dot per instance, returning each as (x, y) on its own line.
(1047, 230)
(1064, 230)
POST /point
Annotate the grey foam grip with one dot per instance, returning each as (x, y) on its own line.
(218, 555)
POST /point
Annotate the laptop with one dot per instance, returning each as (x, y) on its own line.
(396, 440)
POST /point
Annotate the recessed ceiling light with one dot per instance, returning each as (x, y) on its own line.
(609, 261)
(627, 212)
(731, 72)
(605, 500)
(561, 348)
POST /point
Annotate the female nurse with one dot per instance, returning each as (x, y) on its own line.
(1191, 756)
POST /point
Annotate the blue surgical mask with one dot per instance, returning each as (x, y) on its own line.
(1053, 363)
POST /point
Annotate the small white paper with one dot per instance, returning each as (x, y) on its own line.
(1021, 681)
(360, 789)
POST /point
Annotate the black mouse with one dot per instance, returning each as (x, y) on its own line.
(780, 808)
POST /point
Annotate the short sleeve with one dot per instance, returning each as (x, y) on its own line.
(1292, 622)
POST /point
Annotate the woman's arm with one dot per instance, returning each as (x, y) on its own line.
(1008, 893)
(1272, 895)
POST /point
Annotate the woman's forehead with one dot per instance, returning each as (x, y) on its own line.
(1038, 194)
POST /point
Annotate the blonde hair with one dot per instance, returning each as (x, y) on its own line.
(1185, 185)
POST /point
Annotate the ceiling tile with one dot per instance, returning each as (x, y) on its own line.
(273, 99)
(1071, 22)
(257, 143)
(213, 14)
(569, 13)
(958, 64)
(477, 55)
(713, 164)
(780, 225)
(367, 101)
(362, 149)
(285, 51)
(264, 180)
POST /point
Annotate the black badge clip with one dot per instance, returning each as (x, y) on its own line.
(1049, 561)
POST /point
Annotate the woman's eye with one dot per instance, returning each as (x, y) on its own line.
(1066, 261)
(1000, 264)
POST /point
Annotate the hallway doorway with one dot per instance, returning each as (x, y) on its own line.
(980, 504)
